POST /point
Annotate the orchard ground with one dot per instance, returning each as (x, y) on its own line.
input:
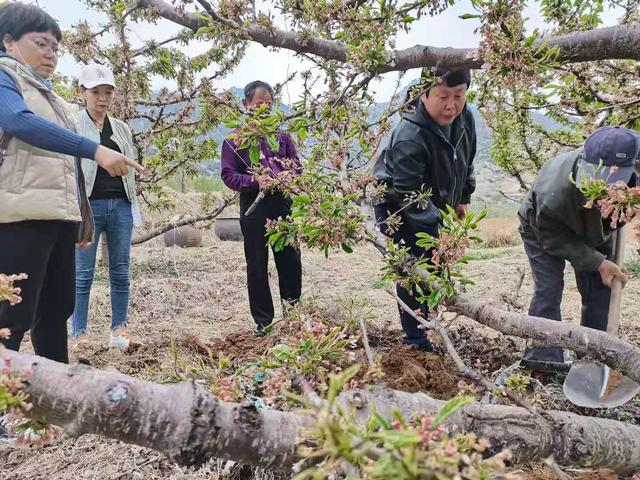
(197, 297)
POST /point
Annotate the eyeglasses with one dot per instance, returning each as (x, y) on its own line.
(44, 46)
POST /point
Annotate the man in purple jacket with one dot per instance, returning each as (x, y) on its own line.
(235, 175)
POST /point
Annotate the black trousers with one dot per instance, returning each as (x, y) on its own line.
(548, 279)
(288, 261)
(414, 332)
(44, 250)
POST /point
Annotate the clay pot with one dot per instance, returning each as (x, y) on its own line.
(185, 236)
(228, 229)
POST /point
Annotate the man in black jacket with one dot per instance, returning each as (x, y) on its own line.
(433, 148)
(556, 227)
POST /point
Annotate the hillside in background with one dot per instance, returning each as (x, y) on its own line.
(491, 180)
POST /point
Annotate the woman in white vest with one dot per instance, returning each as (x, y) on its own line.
(44, 210)
(113, 203)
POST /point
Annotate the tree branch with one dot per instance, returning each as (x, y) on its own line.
(617, 42)
(185, 221)
(601, 346)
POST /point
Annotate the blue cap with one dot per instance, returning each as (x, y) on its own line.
(610, 154)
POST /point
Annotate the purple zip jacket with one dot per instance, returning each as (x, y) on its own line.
(235, 163)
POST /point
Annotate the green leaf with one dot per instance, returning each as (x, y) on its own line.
(434, 299)
(254, 154)
(468, 16)
(282, 352)
(119, 7)
(451, 407)
(381, 421)
(275, 237)
(202, 31)
(230, 123)
(346, 248)
(274, 143)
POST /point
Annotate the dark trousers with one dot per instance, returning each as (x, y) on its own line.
(548, 280)
(414, 332)
(256, 251)
(44, 250)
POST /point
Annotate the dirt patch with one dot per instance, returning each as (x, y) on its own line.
(485, 354)
(407, 368)
(135, 360)
(241, 347)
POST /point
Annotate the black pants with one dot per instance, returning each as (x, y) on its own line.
(548, 279)
(256, 251)
(414, 333)
(44, 250)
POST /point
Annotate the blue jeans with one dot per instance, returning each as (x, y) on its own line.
(113, 217)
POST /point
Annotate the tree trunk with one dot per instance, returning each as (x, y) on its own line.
(190, 426)
(183, 182)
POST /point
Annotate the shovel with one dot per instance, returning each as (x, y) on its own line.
(591, 384)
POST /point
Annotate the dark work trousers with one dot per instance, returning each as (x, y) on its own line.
(44, 250)
(256, 252)
(548, 280)
(414, 332)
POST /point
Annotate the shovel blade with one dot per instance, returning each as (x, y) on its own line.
(586, 386)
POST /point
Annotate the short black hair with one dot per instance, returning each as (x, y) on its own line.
(18, 19)
(251, 88)
(451, 78)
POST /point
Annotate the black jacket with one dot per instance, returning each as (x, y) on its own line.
(420, 157)
(554, 209)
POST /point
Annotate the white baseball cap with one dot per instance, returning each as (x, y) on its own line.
(93, 75)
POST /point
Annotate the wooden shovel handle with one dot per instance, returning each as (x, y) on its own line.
(616, 288)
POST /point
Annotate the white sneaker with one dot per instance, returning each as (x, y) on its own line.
(120, 338)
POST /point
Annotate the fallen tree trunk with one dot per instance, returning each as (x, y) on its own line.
(183, 422)
(138, 239)
(610, 350)
(190, 426)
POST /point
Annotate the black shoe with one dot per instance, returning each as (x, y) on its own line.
(545, 366)
(423, 344)
(262, 330)
(5, 435)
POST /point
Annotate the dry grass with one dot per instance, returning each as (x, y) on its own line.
(498, 233)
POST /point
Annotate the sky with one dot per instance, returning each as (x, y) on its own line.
(444, 30)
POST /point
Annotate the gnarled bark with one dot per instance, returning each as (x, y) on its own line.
(190, 425)
(617, 42)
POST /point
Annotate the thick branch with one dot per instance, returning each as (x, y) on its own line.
(617, 42)
(181, 223)
(190, 426)
(616, 353)
(185, 423)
